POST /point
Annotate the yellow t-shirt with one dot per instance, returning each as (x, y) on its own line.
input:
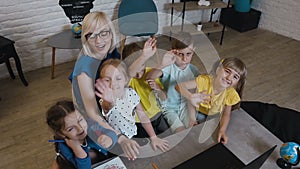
(148, 99)
(228, 97)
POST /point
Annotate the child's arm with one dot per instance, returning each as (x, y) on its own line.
(105, 93)
(129, 147)
(87, 91)
(75, 145)
(192, 115)
(72, 152)
(162, 144)
(184, 87)
(161, 93)
(222, 137)
(148, 51)
(153, 74)
(168, 59)
(195, 98)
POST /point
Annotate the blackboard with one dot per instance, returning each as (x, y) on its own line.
(75, 10)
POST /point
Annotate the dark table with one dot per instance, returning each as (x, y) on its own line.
(247, 140)
(63, 40)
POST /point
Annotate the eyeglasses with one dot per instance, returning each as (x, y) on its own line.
(103, 35)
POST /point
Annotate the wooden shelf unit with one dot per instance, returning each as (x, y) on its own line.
(208, 27)
(193, 5)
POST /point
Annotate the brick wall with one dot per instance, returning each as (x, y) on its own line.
(30, 22)
(280, 16)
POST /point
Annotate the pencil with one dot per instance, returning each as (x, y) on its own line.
(56, 141)
(154, 166)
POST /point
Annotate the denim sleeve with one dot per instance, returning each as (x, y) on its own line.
(68, 154)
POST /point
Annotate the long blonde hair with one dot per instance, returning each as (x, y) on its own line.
(89, 23)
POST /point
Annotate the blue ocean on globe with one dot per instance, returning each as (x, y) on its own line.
(76, 28)
(288, 151)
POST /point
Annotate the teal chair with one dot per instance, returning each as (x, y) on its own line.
(242, 5)
(137, 18)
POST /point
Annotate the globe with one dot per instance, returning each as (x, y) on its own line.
(289, 152)
(76, 28)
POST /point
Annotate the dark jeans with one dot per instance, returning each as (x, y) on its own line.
(159, 125)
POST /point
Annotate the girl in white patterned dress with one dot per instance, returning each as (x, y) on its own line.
(122, 116)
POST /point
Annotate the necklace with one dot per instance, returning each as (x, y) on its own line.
(84, 143)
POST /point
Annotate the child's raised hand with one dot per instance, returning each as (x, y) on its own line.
(149, 47)
(201, 97)
(104, 91)
(73, 144)
(162, 144)
(153, 85)
(168, 58)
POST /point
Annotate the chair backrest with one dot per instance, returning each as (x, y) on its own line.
(138, 18)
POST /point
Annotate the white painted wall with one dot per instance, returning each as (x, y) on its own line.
(30, 22)
(280, 16)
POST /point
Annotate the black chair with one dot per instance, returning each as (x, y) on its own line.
(282, 122)
(7, 50)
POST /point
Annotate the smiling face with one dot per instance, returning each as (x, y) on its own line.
(98, 35)
(184, 56)
(227, 77)
(75, 126)
(100, 40)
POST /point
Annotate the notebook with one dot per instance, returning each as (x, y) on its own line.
(220, 157)
(115, 163)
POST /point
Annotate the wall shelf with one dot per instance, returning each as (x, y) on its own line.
(193, 5)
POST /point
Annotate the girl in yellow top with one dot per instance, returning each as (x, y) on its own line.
(218, 92)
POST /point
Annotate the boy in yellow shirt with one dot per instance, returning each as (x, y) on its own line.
(150, 92)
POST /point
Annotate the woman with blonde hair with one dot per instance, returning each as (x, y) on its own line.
(98, 40)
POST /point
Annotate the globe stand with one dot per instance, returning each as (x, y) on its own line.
(286, 165)
(283, 164)
(77, 35)
(76, 30)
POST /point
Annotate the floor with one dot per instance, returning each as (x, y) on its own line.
(272, 61)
